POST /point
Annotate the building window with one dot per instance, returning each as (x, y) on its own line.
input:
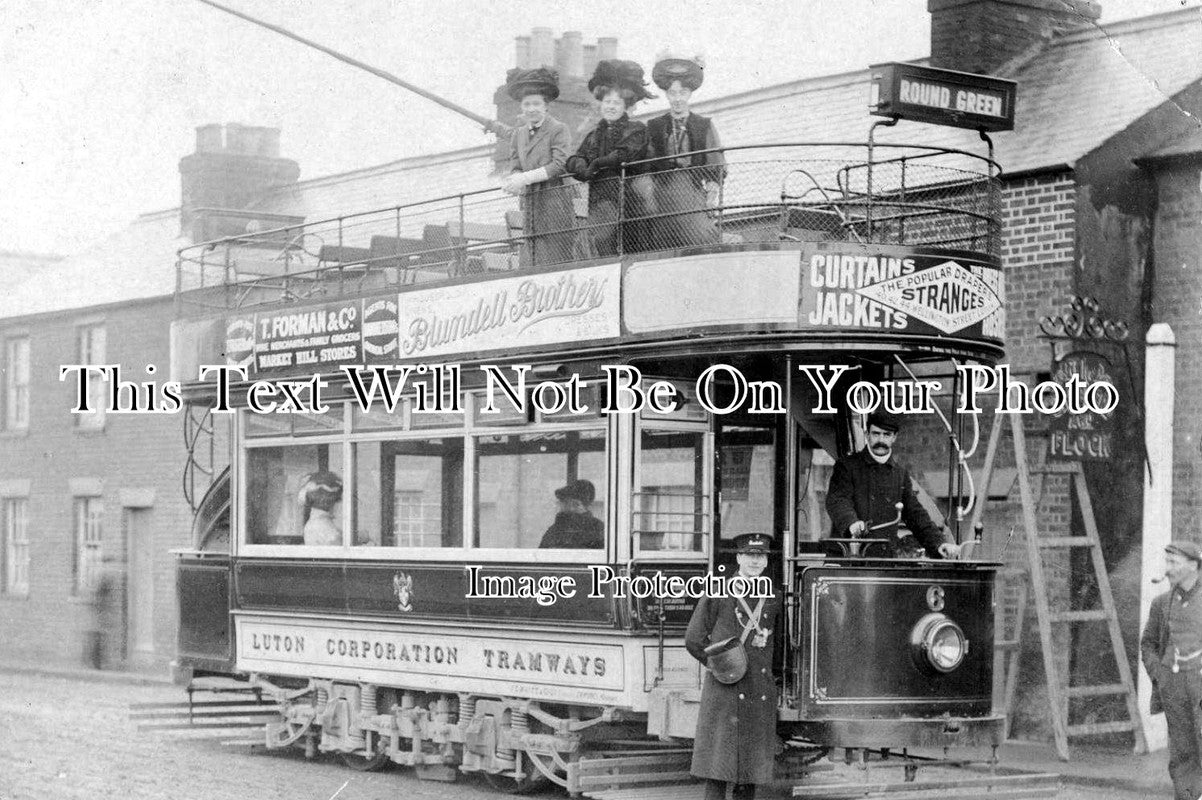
(89, 530)
(92, 351)
(16, 383)
(14, 521)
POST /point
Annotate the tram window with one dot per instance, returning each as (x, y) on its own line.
(670, 498)
(517, 476)
(409, 493)
(260, 425)
(748, 461)
(591, 396)
(504, 413)
(274, 478)
(422, 420)
(377, 419)
(308, 424)
(688, 409)
(815, 523)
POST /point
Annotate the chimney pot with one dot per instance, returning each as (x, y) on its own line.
(235, 137)
(573, 46)
(607, 48)
(208, 138)
(983, 35)
(542, 48)
(522, 47)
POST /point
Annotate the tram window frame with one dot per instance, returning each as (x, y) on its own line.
(538, 554)
(704, 499)
(342, 461)
(340, 452)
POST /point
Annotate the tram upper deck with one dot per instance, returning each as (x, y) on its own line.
(838, 247)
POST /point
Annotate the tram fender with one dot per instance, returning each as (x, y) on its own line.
(672, 713)
(944, 731)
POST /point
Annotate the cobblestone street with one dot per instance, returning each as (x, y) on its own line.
(68, 739)
(72, 740)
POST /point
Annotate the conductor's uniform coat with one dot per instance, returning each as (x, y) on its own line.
(736, 727)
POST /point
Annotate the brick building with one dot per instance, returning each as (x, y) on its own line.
(1101, 198)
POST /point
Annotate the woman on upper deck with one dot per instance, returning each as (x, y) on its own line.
(616, 140)
(539, 151)
(686, 182)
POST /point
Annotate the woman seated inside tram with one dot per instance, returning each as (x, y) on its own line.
(321, 492)
(617, 139)
(685, 186)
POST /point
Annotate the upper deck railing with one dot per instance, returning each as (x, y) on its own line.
(882, 194)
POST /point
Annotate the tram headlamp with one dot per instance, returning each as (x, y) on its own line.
(938, 643)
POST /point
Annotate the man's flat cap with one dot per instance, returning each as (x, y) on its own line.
(1185, 549)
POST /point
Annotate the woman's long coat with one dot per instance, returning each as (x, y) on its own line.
(736, 728)
(548, 214)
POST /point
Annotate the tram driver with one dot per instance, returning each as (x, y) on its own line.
(866, 487)
(575, 527)
(321, 492)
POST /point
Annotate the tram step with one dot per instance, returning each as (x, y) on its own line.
(1007, 644)
(633, 773)
(201, 712)
(1095, 728)
(1096, 690)
(1077, 616)
(1027, 785)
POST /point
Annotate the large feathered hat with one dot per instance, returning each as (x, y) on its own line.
(669, 66)
(619, 74)
(541, 80)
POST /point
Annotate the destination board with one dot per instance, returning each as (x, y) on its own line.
(942, 97)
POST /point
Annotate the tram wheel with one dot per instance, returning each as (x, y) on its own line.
(530, 783)
(372, 763)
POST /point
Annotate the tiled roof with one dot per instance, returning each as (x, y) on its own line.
(1073, 96)
(137, 262)
(1189, 144)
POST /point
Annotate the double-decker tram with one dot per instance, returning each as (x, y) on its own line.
(468, 483)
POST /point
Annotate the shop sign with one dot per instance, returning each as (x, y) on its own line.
(1085, 436)
(579, 305)
(902, 291)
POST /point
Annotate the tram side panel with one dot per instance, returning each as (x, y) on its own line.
(206, 644)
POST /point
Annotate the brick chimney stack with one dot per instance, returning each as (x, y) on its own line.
(233, 166)
(983, 35)
(575, 62)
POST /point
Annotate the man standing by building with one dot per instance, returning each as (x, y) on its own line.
(866, 487)
(1171, 650)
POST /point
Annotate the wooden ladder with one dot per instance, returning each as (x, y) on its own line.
(1008, 642)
